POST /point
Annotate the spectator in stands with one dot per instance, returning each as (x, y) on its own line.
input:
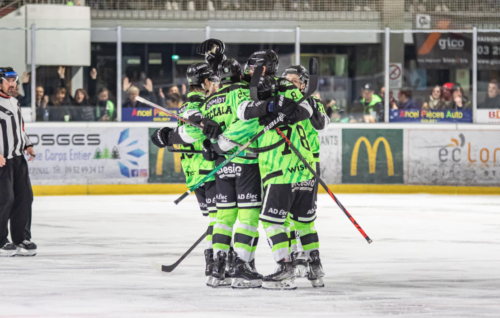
(405, 99)
(493, 98)
(335, 112)
(58, 110)
(460, 101)
(26, 99)
(41, 102)
(131, 101)
(105, 109)
(435, 101)
(370, 108)
(173, 98)
(82, 111)
(296, 5)
(147, 94)
(446, 94)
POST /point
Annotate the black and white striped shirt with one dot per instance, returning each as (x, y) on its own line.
(13, 138)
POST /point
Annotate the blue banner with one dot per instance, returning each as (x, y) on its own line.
(430, 116)
(147, 114)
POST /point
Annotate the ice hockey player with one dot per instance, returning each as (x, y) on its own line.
(318, 123)
(200, 79)
(289, 187)
(16, 195)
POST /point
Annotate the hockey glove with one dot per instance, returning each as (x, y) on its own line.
(160, 137)
(281, 104)
(211, 129)
(266, 120)
(209, 153)
(213, 49)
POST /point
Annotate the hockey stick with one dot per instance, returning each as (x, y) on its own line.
(187, 121)
(323, 184)
(169, 268)
(174, 150)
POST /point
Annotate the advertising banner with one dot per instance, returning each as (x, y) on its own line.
(164, 166)
(444, 157)
(147, 114)
(430, 116)
(443, 50)
(488, 116)
(372, 156)
(454, 50)
(89, 155)
(331, 155)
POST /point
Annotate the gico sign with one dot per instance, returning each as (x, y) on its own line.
(65, 139)
(451, 44)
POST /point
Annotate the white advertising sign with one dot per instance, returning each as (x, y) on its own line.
(89, 155)
(488, 116)
(444, 157)
(331, 155)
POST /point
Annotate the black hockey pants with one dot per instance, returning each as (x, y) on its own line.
(16, 198)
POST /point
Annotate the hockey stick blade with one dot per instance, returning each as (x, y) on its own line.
(254, 83)
(170, 268)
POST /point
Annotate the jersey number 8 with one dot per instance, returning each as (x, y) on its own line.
(302, 134)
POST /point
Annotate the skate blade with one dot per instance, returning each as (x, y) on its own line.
(217, 283)
(8, 253)
(210, 281)
(25, 253)
(317, 283)
(282, 285)
(241, 283)
(300, 271)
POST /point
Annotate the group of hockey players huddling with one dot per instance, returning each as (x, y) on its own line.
(267, 183)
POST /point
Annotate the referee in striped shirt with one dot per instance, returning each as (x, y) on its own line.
(16, 195)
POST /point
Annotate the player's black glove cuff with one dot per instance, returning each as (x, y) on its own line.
(160, 137)
(267, 119)
(209, 153)
(281, 104)
(211, 129)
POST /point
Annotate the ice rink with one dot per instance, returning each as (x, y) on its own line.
(432, 255)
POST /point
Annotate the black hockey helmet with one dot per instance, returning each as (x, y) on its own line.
(298, 70)
(229, 71)
(8, 72)
(267, 87)
(198, 72)
(267, 58)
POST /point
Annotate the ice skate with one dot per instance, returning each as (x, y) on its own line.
(219, 271)
(282, 279)
(244, 276)
(316, 273)
(209, 264)
(8, 249)
(26, 248)
(300, 265)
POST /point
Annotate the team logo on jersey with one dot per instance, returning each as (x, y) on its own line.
(229, 171)
(217, 100)
(276, 211)
(307, 185)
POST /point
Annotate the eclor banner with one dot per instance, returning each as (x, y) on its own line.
(89, 155)
(430, 116)
(372, 156)
(444, 157)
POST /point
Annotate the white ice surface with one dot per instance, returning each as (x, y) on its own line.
(430, 256)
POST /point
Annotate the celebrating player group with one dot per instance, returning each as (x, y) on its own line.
(269, 180)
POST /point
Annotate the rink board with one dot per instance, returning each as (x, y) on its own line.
(119, 158)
